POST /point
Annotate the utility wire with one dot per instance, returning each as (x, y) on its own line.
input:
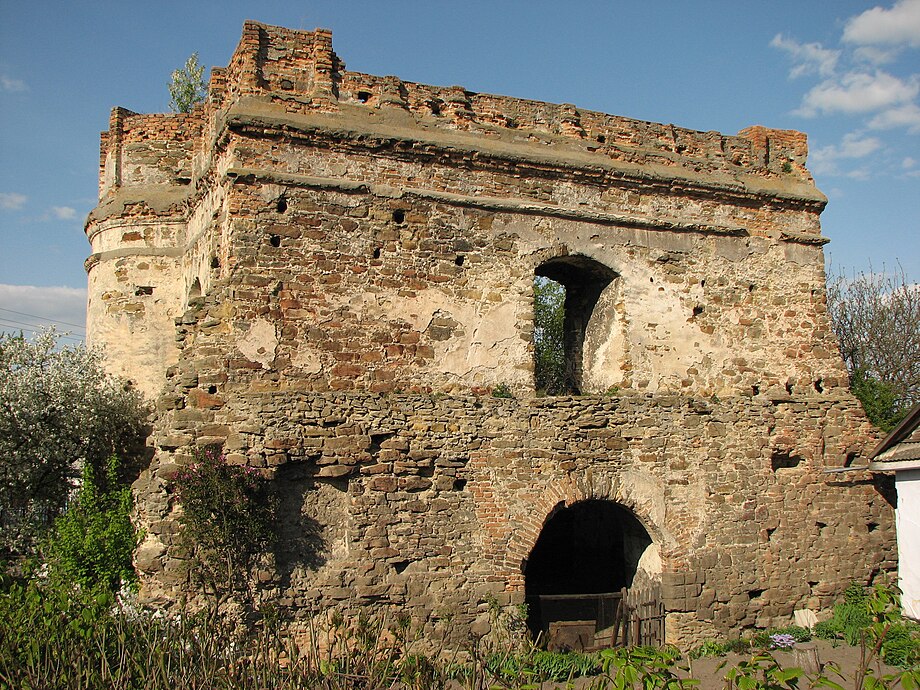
(43, 318)
(20, 326)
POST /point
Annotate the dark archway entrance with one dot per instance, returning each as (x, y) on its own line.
(584, 556)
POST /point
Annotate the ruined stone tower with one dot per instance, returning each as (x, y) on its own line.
(329, 273)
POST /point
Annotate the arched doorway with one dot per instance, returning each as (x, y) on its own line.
(585, 554)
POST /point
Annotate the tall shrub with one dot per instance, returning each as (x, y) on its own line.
(94, 539)
(228, 515)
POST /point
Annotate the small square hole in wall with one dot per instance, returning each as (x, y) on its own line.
(782, 460)
(399, 216)
(142, 290)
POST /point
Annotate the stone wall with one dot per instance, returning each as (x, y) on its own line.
(328, 274)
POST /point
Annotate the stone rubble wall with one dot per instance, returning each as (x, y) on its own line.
(430, 504)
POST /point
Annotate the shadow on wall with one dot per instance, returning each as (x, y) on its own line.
(301, 544)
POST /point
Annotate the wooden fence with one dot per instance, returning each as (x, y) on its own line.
(595, 621)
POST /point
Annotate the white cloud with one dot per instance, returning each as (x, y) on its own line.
(907, 115)
(899, 25)
(824, 161)
(28, 308)
(812, 58)
(63, 212)
(859, 92)
(9, 84)
(12, 201)
(875, 55)
(908, 163)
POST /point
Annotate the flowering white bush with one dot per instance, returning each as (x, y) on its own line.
(58, 409)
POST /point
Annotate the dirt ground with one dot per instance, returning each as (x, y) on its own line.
(843, 656)
(712, 676)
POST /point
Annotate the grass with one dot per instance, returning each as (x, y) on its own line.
(51, 638)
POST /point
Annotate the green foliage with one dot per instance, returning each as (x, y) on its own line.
(502, 390)
(762, 672)
(187, 87)
(879, 400)
(53, 638)
(826, 630)
(549, 336)
(58, 409)
(645, 667)
(228, 514)
(93, 540)
(709, 648)
(902, 645)
(851, 616)
(538, 666)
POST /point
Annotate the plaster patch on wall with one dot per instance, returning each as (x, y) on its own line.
(260, 343)
(308, 360)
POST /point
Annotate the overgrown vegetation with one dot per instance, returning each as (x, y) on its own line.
(59, 411)
(228, 516)
(876, 317)
(187, 87)
(92, 543)
(56, 638)
(872, 618)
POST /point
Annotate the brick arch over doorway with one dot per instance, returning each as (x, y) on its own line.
(525, 530)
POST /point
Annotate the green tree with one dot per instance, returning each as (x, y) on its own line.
(93, 541)
(59, 411)
(876, 317)
(187, 87)
(549, 336)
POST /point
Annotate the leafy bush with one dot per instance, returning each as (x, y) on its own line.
(228, 518)
(902, 645)
(826, 630)
(709, 648)
(94, 539)
(653, 667)
(851, 616)
(187, 87)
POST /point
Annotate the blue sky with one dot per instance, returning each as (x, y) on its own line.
(846, 72)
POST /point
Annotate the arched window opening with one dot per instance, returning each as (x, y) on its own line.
(566, 291)
(194, 291)
(549, 336)
(583, 558)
